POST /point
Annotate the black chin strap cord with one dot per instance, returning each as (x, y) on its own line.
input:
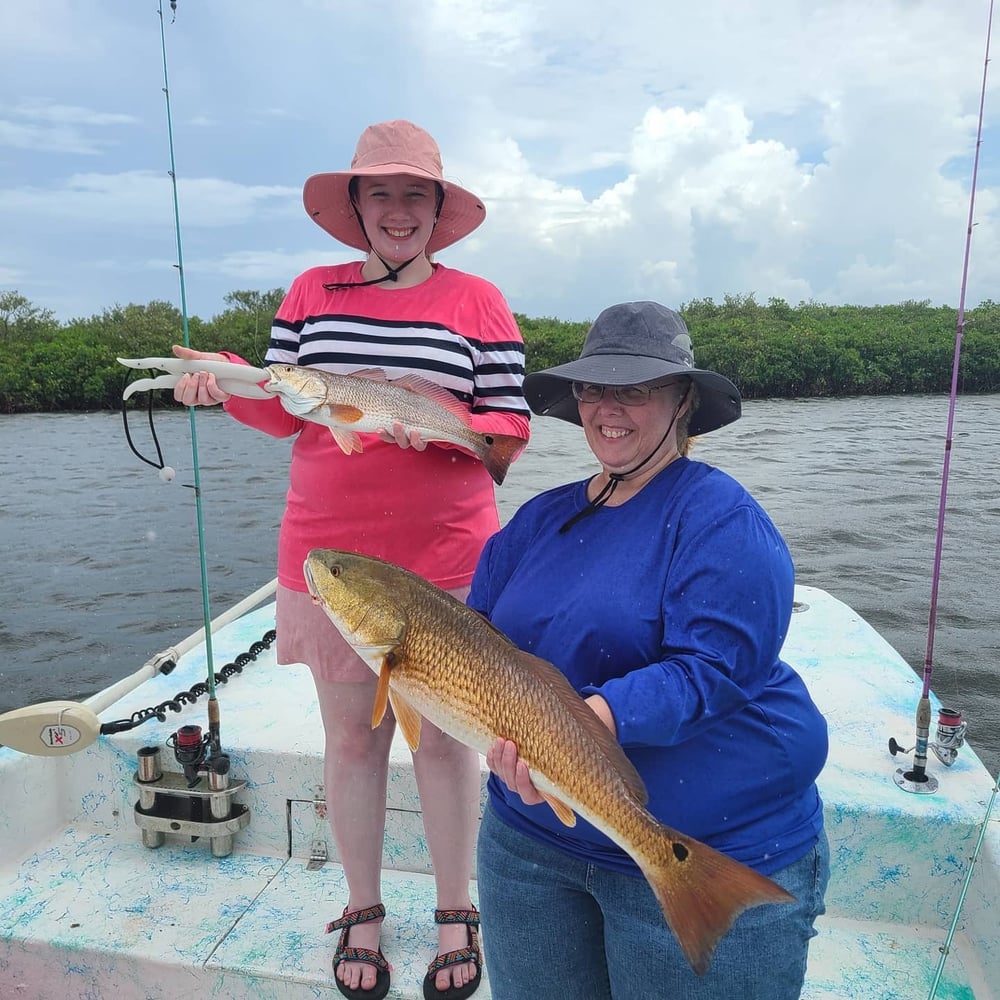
(614, 478)
(391, 273)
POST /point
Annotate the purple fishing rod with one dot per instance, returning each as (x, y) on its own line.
(951, 729)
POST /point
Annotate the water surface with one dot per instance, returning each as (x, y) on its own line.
(103, 568)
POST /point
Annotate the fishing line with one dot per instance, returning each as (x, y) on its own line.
(960, 327)
(213, 705)
(923, 710)
(917, 779)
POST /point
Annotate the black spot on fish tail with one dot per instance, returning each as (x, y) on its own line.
(680, 851)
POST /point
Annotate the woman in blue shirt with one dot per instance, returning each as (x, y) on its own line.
(663, 591)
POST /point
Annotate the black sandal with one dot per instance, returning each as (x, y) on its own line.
(346, 954)
(470, 953)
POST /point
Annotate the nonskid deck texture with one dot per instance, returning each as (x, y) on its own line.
(87, 912)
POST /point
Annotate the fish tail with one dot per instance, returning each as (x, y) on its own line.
(702, 891)
(501, 450)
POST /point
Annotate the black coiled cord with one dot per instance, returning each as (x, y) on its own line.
(189, 697)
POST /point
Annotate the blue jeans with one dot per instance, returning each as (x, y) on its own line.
(555, 926)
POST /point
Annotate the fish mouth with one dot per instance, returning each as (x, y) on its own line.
(275, 384)
(310, 582)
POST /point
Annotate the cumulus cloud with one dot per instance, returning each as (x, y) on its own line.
(802, 150)
(142, 197)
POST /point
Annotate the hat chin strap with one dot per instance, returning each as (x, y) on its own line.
(391, 273)
(614, 478)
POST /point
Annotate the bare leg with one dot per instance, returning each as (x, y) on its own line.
(448, 778)
(356, 767)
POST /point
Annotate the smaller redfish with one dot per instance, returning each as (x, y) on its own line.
(367, 401)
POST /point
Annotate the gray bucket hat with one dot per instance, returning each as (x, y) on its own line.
(629, 344)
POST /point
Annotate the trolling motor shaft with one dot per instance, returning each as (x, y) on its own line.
(181, 803)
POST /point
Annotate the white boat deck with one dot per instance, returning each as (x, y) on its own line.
(88, 913)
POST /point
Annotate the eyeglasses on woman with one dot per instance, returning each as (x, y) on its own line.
(627, 395)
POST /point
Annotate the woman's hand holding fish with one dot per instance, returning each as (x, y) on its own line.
(502, 758)
(399, 437)
(199, 389)
(503, 761)
(603, 711)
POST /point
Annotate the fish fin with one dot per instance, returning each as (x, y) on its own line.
(589, 722)
(435, 393)
(566, 815)
(344, 413)
(348, 441)
(382, 691)
(375, 374)
(702, 891)
(408, 717)
(501, 450)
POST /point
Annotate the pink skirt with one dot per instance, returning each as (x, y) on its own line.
(306, 635)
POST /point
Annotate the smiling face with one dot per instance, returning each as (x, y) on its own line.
(622, 436)
(398, 214)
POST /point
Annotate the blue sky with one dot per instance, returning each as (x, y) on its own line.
(805, 149)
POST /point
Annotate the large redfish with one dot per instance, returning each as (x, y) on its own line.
(439, 659)
(368, 401)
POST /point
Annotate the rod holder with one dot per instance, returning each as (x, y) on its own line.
(948, 740)
(170, 804)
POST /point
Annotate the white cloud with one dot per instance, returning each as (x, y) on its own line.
(143, 198)
(44, 127)
(816, 149)
(270, 267)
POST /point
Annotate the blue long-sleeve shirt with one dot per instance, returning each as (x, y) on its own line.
(673, 607)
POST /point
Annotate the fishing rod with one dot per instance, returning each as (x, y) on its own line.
(214, 727)
(950, 727)
(57, 727)
(953, 927)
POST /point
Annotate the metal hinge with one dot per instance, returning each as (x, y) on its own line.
(318, 856)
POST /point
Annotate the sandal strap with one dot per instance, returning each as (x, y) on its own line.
(470, 917)
(457, 957)
(361, 955)
(346, 919)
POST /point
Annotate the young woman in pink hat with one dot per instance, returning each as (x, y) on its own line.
(428, 508)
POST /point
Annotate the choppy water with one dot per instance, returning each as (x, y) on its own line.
(102, 566)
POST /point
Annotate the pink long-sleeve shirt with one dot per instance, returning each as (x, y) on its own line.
(429, 511)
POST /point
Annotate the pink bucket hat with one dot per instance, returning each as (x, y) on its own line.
(396, 147)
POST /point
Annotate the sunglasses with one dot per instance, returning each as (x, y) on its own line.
(627, 395)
